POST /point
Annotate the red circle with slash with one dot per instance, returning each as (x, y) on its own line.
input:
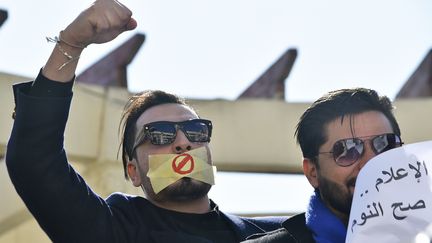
(181, 162)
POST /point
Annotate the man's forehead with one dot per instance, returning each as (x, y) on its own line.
(166, 112)
(358, 125)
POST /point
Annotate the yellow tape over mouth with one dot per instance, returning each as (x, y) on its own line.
(166, 169)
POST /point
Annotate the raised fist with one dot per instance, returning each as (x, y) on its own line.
(102, 22)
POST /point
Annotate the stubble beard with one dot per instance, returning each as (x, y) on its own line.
(183, 190)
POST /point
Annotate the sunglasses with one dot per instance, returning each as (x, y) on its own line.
(165, 132)
(348, 151)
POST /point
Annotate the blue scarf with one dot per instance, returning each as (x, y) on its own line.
(326, 227)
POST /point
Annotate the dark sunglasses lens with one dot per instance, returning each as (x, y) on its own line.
(385, 142)
(197, 131)
(347, 151)
(161, 133)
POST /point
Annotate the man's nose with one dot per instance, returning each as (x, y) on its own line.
(181, 143)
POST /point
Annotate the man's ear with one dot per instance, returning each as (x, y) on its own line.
(310, 171)
(133, 172)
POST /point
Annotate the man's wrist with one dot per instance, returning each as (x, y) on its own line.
(45, 87)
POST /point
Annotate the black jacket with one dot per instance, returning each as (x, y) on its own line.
(294, 231)
(65, 206)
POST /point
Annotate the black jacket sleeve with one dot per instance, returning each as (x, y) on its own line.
(58, 197)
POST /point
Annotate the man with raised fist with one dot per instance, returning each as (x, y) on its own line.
(164, 150)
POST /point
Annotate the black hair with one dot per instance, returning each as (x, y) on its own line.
(310, 131)
(133, 109)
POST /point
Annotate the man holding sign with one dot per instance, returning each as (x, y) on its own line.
(164, 150)
(338, 134)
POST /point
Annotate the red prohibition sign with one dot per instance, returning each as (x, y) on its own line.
(181, 161)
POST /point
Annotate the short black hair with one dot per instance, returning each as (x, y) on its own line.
(310, 131)
(133, 109)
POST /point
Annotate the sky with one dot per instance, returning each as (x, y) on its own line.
(215, 49)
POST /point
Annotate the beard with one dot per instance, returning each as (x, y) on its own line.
(336, 196)
(185, 189)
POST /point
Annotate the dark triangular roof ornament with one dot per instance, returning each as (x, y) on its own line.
(271, 84)
(3, 16)
(420, 82)
(111, 69)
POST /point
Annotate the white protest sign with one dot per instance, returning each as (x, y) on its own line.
(393, 196)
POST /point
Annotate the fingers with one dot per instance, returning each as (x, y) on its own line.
(110, 15)
(132, 24)
(123, 17)
(102, 22)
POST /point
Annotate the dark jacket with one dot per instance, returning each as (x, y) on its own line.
(63, 204)
(294, 231)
